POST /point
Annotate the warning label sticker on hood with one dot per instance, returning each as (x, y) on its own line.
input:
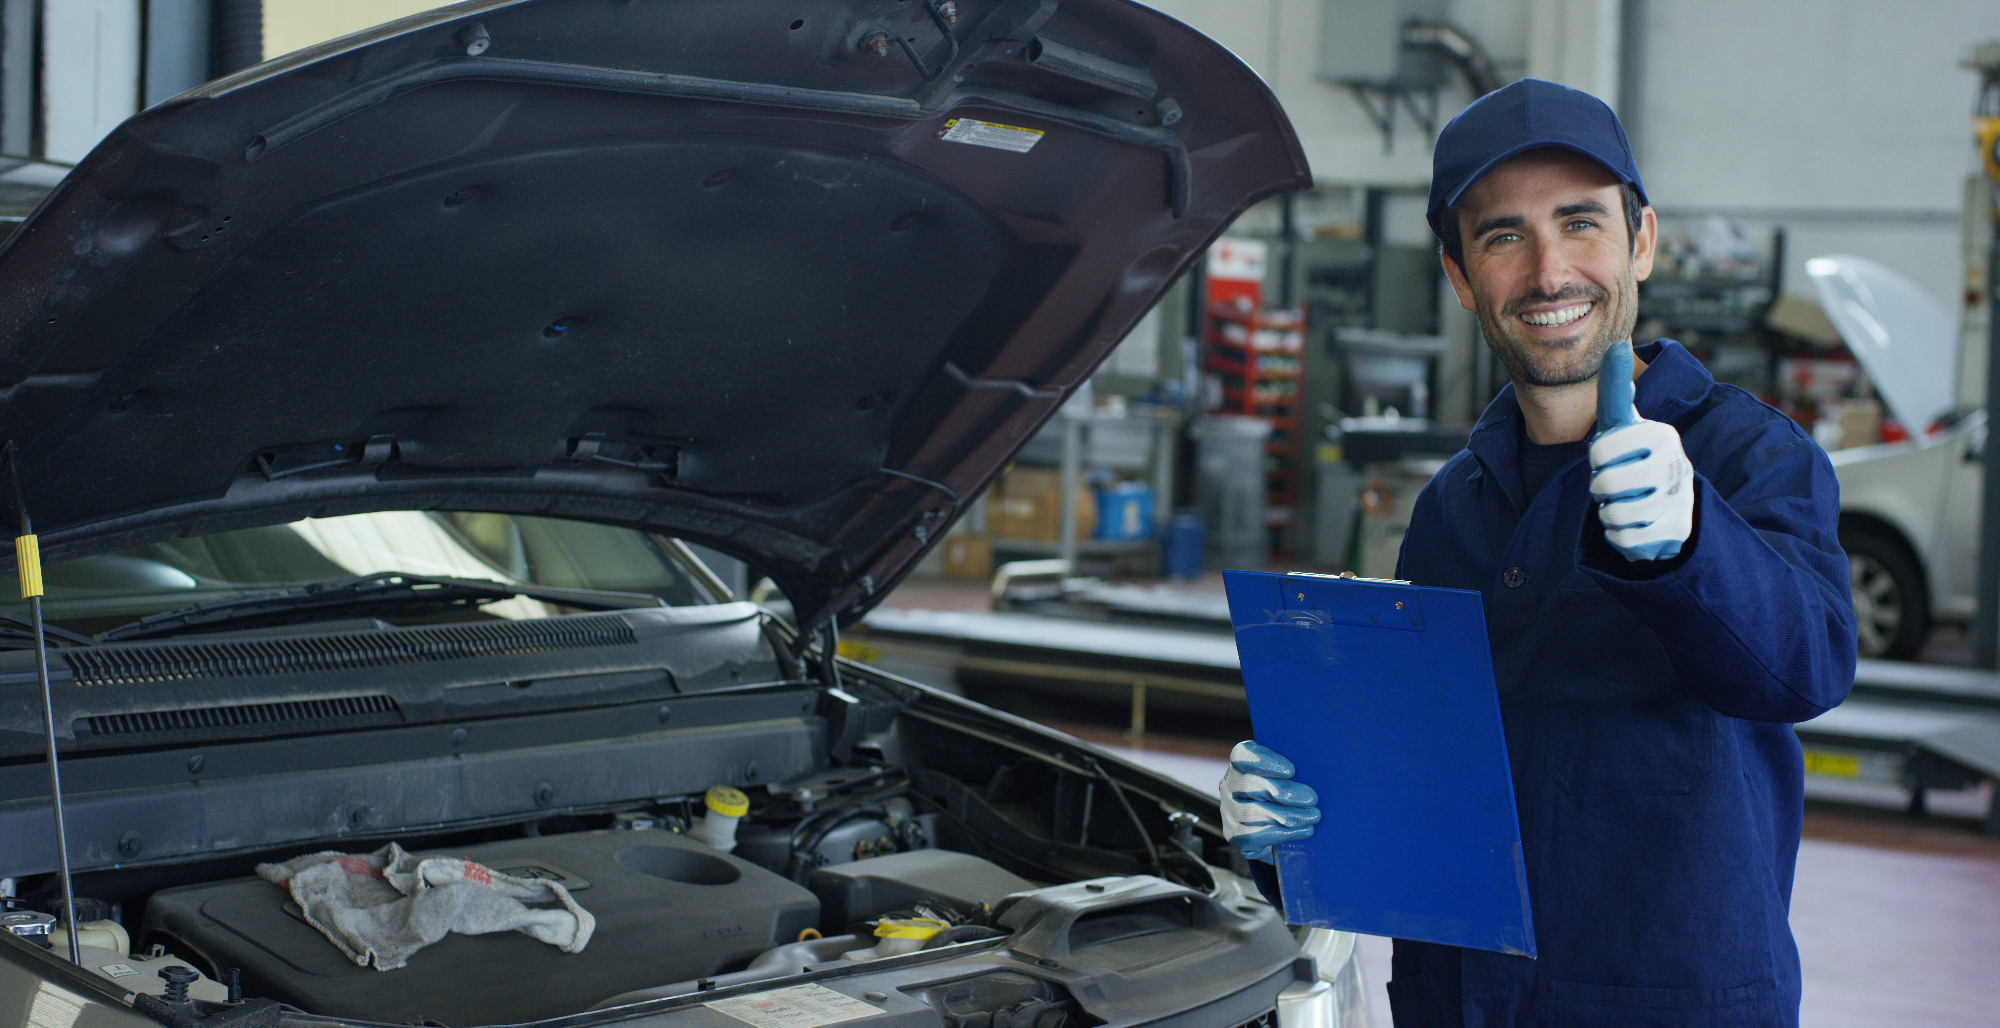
(801, 1006)
(991, 133)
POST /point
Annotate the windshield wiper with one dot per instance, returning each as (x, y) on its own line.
(16, 629)
(388, 588)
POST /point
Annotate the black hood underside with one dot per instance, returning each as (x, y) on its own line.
(706, 267)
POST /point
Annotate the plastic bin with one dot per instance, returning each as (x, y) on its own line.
(1184, 546)
(1125, 511)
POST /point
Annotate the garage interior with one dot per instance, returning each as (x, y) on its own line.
(1283, 405)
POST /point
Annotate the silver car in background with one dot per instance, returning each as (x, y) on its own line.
(1909, 511)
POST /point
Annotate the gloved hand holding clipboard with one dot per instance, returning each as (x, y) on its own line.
(1381, 694)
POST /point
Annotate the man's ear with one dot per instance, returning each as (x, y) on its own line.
(1643, 244)
(1462, 287)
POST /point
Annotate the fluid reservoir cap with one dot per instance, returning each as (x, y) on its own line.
(908, 927)
(27, 922)
(728, 802)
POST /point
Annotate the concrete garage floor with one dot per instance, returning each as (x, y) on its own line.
(1897, 916)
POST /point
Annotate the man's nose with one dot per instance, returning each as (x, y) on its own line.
(1552, 268)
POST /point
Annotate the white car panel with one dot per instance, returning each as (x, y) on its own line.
(1907, 341)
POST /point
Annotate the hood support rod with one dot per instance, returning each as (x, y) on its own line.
(28, 558)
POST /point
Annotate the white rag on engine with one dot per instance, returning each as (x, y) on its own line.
(381, 907)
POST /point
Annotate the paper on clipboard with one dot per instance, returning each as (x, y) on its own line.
(1382, 694)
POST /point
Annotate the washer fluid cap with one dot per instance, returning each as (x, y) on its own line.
(728, 802)
(908, 927)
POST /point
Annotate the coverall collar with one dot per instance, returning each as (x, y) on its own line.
(1672, 384)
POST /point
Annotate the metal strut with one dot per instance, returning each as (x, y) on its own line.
(943, 26)
(28, 558)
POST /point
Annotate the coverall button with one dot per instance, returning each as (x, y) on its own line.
(1513, 577)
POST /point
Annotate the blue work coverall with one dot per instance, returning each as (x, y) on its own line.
(1648, 712)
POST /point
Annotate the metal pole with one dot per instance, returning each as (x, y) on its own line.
(1072, 469)
(1986, 622)
(55, 777)
(28, 565)
(1986, 629)
(1166, 427)
(1288, 230)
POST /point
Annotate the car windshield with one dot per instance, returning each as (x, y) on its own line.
(95, 593)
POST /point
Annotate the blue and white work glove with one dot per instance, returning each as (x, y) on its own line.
(1261, 805)
(1639, 475)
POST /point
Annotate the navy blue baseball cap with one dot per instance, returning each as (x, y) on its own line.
(1528, 114)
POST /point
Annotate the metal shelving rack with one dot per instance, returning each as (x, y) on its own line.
(1259, 358)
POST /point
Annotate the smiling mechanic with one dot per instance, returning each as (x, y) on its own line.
(1664, 593)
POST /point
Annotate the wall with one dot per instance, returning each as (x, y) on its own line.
(1848, 121)
(1279, 39)
(90, 73)
(1845, 120)
(295, 24)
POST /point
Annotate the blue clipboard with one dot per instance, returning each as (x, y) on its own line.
(1382, 694)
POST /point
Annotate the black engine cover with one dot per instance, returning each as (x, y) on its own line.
(668, 909)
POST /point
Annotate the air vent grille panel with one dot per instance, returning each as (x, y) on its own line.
(342, 708)
(165, 662)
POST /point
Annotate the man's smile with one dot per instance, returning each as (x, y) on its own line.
(1557, 317)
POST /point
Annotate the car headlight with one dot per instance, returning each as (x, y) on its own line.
(1336, 999)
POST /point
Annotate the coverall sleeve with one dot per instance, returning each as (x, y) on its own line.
(1755, 614)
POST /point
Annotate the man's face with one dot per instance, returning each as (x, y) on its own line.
(1549, 266)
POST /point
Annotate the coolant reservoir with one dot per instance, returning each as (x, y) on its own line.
(97, 934)
(726, 806)
(102, 947)
(142, 974)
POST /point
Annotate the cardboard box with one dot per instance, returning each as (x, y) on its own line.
(968, 557)
(1027, 504)
(1860, 423)
(1801, 318)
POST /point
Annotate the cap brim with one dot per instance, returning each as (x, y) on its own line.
(1451, 199)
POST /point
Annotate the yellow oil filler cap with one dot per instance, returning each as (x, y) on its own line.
(726, 801)
(895, 936)
(908, 927)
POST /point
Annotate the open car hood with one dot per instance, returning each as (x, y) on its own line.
(1904, 339)
(733, 272)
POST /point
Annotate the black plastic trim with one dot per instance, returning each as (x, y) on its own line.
(127, 665)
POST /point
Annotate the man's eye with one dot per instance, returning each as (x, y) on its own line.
(1499, 238)
(1582, 223)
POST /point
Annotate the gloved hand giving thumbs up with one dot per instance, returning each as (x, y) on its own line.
(1639, 475)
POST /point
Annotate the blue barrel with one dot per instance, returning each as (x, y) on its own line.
(1183, 545)
(1125, 511)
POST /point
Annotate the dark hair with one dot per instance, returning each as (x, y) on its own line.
(1453, 244)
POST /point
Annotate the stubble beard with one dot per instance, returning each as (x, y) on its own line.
(1568, 360)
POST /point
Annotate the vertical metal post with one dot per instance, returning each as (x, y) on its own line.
(1072, 470)
(28, 566)
(55, 778)
(1986, 629)
(1986, 619)
(236, 35)
(1985, 125)
(1288, 229)
(1138, 726)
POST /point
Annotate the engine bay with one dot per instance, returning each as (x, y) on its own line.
(936, 852)
(668, 909)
